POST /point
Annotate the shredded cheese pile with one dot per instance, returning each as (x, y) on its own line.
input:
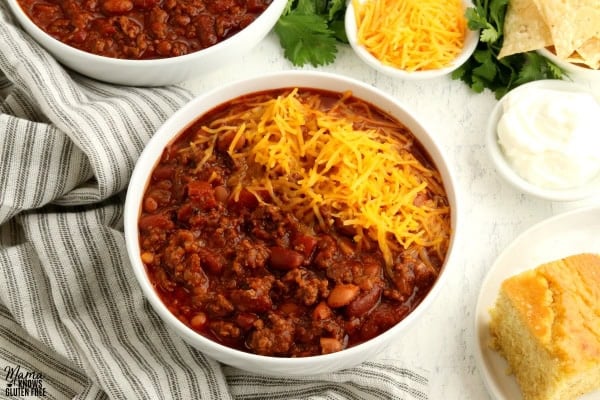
(412, 35)
(317, 164)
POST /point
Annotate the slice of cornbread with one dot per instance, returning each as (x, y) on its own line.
(546, 323)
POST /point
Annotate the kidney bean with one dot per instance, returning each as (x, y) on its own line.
(117, 7)
(185, 212)
(203, 193)
(161, 196)
(404, 278)
(425, 274)
(382, 318)
(155, 221)
(282, 258)
(342, 294)
(245, 200)
(211, 261)
(364, 303)
(305, 244)
(145, 4)
(46, 11)
(256, 5)
(245, 320)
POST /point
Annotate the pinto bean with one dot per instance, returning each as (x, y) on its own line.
(341, 295)
(330, 345)
(150, 205)
(198, 321)
(321, 311)
(221, 193)
(290, 308)
(147, 257)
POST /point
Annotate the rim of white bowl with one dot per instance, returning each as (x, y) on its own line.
(471, 41)
(274, 9)
(568, 66)
(507, 171)
(165, 134)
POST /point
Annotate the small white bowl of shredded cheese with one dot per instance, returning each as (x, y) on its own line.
(544, 139)
(411, 40)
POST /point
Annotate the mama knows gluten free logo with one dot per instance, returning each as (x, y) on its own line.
(23, 384)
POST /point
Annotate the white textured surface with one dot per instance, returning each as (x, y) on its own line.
(493, 213)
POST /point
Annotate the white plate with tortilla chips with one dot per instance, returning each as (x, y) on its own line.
(570, 27)
(567, 32)
(559, 236)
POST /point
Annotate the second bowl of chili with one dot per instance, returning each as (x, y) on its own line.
(294, 223)
(150, 42)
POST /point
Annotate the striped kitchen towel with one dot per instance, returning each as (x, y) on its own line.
(73, 323)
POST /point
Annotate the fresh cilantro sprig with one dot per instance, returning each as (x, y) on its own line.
(309, 31)
(484, 69)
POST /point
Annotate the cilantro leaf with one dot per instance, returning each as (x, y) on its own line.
(554, 71)
(475, 19)
(307, 7)
(489, 35)
(339, 31)
(498, 12)
(337, 9)
(306, 39)
(537, 67)
(484, 70)
(309, 30)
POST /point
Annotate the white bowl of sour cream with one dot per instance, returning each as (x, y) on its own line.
(544, 139)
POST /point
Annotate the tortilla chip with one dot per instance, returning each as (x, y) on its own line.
(571, 22)
(590, 52)
(524, 28)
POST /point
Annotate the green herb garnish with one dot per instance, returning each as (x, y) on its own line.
(309, 30)
(484, 70)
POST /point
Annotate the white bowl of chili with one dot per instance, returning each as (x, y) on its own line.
(234, 249)
(175, 42)
(432, 42)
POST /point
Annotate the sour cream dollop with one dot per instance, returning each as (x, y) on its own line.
(551, 137)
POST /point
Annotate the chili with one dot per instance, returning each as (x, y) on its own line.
(244, 273)
(142, 29)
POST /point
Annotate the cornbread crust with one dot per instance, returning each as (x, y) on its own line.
(546, 323)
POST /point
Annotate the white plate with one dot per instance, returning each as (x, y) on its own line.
(557, 237)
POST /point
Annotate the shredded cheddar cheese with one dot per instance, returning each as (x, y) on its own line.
(412, 35)
(326, 166)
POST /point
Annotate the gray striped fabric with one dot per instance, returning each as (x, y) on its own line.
(73, 322)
